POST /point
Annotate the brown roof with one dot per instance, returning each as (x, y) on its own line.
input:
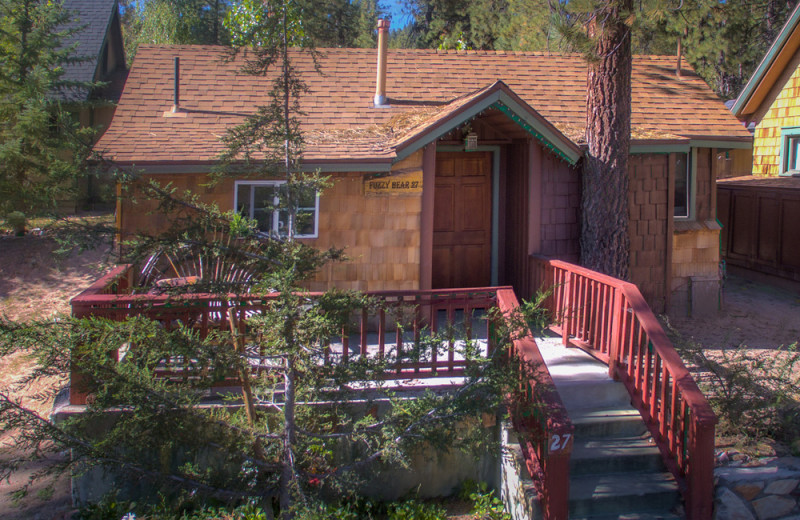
(341, 123)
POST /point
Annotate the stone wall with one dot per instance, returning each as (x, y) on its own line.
(768, 492)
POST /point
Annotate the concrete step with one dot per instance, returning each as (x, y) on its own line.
(592, 456)
(607, 422)
(614, 494)
(590, 394)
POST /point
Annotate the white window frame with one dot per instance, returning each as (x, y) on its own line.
(275, 231)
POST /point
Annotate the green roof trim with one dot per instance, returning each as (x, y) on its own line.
(769, 58)
(532, 131)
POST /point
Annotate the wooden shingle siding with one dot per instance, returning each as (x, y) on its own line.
(784, 112)
(561, 201)
(380, 234)
(649, 206)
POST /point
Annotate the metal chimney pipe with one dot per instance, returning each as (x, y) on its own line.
(380, 83)
(176, 88)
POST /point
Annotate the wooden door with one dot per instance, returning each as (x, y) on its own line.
(462, 220)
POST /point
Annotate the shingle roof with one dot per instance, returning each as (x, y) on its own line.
(342, 124)
(93, 16)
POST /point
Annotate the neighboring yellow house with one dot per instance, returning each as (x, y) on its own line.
(771, 100)
(759, 213)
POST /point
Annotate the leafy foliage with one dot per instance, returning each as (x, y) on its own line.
(754, 393)
(182, 22)
(42, 148)
(292, 433)
(723, 41)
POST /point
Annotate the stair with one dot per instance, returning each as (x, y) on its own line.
(616, 471)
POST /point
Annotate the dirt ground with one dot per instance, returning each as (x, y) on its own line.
(34, 285)
(757, 315)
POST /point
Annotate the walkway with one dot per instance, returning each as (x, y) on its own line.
(615, 469)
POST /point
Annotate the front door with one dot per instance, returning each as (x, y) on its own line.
(462, 220)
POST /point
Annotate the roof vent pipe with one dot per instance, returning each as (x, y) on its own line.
(380, 83)
(176, 95)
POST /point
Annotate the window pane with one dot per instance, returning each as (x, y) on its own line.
(263, 204)
(243, 199)
(305, 222)
(681, 185)
(308, 199)
(266, 210)
(794, 156)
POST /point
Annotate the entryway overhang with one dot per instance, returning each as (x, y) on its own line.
(498, 96)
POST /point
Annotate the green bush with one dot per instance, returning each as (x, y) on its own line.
(16, 220)
(754, 393)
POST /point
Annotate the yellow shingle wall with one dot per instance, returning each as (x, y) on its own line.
(380, 234)
(785, 111)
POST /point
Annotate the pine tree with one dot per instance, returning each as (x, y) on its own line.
(42, 149)
(602, 30)
(278, 447)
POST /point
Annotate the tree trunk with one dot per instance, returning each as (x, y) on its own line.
(605, 243)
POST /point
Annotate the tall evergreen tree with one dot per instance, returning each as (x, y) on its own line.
(180, 22)
(602, 29)
(42, 148)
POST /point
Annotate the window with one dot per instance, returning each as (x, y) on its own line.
(790, 151)
(683, 185)
(264, 202)
(793, 163)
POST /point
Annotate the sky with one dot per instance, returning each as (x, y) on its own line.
(395, 8)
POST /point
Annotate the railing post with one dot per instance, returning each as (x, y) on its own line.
(78, 380)
(558, 486)
(566, 304)
(615, 347)
(700, 477)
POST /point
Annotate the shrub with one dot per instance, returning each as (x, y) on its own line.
(754, 393)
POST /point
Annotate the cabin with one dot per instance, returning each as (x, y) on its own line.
(449, 168)
(99, 41)
(760, 210)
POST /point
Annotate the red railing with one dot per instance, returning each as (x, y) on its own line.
(610, 319)
(540, 420)
(399, 319)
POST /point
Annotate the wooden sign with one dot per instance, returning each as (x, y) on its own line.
(393, 183)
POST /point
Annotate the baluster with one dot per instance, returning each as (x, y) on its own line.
(417, 335)
(345, 343)
(647, 374)
(662, 411)
(381, 332)
(434, 330)
(639, 358)
(451, 350)
(673, 411)
(364, 332)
